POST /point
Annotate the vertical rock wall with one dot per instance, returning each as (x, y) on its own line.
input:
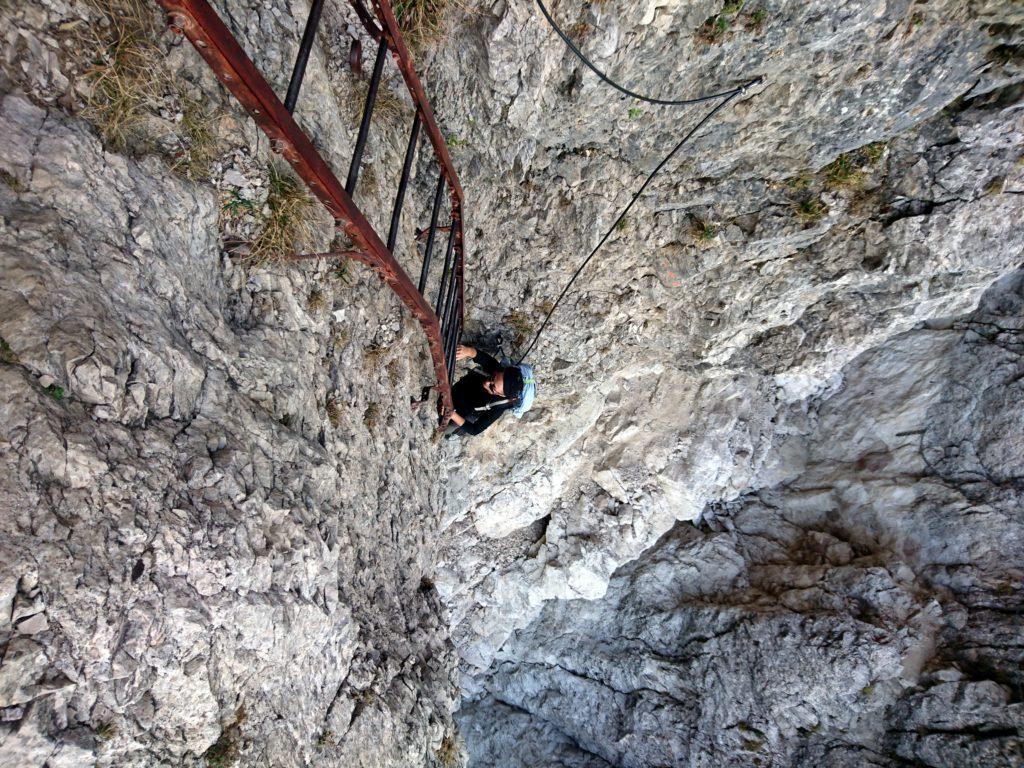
(863, 611)
(226, 537)
(218, 511)
(870, 184)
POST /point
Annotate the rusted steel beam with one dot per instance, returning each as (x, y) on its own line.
(236, 71)
(386, 17)
(365, 16)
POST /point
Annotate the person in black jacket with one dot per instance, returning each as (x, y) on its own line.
(480, 398)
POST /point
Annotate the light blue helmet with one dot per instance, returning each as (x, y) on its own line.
(525, 400)
(529, 391)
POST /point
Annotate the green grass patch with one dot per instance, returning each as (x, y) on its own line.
(7, 355)
(288, 225)
(342, 272)
(702, 231)
(810, 209)
(873, 152)
(715, 28)
(843, 173)
(236, 205)
(226, 751)
(326, 739)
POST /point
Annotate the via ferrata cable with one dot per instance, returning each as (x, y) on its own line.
(726, 97)
(621, 88)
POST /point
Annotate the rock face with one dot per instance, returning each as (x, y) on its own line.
(225, 538)
(746, 279)
(863, 611)
(188, 542)
(217, 515)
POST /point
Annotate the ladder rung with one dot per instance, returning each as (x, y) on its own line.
(433, 233)
(299, 70)
(442, 286)
(450, 301)
(396, 213)
(364, 126)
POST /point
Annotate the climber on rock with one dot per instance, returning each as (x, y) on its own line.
(482, 396)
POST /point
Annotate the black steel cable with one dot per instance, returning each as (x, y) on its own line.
(622, 89)
(726, 97)
(622, 215)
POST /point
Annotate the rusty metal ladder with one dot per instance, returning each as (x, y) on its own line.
(441, 322)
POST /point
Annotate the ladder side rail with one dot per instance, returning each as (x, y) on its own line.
(204, 28)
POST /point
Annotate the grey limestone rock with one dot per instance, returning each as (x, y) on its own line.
(864, 611)
(765, 512)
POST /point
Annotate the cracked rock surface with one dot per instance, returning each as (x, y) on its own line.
(806, 225)
(863, 611)
(210, 552)
(766, 510)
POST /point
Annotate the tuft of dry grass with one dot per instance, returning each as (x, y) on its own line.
(334, 413)
(810, 209)
(520, 324)
(580, 32)
(317, 300)
(873, 152)
(425, 22)
(843, 173)
(375, 355)
(129, 83)
(864, 202)
(368, 181)
(288, 224)
(798, 182)
(394, 372)
(127, 76)
(449, 754)
(389, 105)
(12, 181)
(199, 141)
(339, 336)
(371, 416)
